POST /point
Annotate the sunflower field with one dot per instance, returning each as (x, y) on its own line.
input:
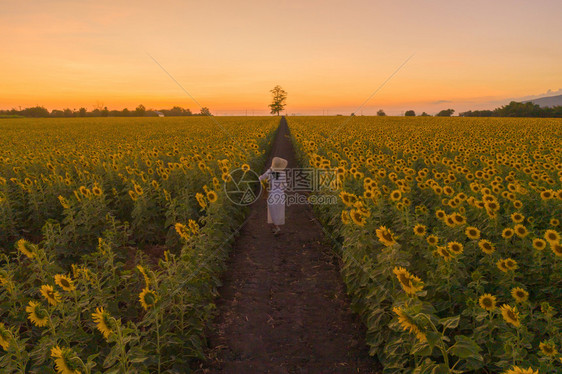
(450, 236)
(86, 208)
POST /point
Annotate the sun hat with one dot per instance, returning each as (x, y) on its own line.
(278, 164)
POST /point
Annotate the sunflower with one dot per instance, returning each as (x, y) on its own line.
(148, 298)
(552, 236)
(410, 283)
(554, 222)
(37, 315)
(450, 221)
(518, 370)
(510, 315)
(345, 217)
(518, 204)
(144, 275)
(245, 167)
(212, 196)
(201, 200)
(507, 233)
(49, 293)
(193, 226)
(521, 230)
(440, 214)
(102, 319)
(182, 231)
(517, 217)
(346, 198)
(519, 294)
(548, 348)
(64, 282)
(408, 324)
(64, 202)
(357, 217)
(486, 246)
(419, 230)
(96, 191)
(472, 232)
(395, 195)
(5, 337)
(133, 195)
(385, 236)
(557, 249)
(65, 362)
(445, 253)
(84, 191)
(138, 190)
(455, 248)
(26, 248)
(487, 302)
(510, 264)
(547, 194)
(432, 239)
(539, 244)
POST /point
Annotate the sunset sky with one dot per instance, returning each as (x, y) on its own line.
(328, 55)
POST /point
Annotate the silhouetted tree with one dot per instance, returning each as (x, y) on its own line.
(424, 114)
(279, 99)
(381, 113)
(205, 111)
(140, 111)
(445, 113)
(410, 113)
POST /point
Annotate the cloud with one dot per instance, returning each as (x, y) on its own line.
(441, 102)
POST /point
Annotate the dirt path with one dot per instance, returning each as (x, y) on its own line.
(283, 307)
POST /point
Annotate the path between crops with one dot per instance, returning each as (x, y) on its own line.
(282, 307)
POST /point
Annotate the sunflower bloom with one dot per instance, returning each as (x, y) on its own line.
(385, 236)
(64, 362)
(148, 298)
(518, 370)
(201, 200)
(102, 319)
(519, 294)
(445, 253)
(4, 337)
(182, 231)
(26, 248)
(193, 226)
(409, 325)
(410, 283)
(551, 236)
(472, 233)
(65, 282)
(455, 248)
(49, 293)
(548, 349)
(557, 249)
(36, 314)
(486, 246)
(510, 315)
(539, 244)
(487, 302)
(420, 230)
(212, 196)
(345, 217)
(357, 217)
(432, 239)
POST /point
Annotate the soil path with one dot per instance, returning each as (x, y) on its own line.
(283, 307)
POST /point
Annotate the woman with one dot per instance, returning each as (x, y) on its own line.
(276, 200)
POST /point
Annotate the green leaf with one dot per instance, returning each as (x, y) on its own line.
(450, 322)
(465, 347)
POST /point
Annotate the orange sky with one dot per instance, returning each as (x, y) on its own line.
(328, 55)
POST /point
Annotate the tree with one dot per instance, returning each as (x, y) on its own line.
(82, 112)
(445, 113)
(381, 113)
(279, 98)
(424, 114)
(410, 113)
(205, 111)
(140, 110)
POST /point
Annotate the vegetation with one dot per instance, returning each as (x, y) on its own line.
(449, 231)
(516, 109)
(100, 111)
(85, 204)
(279, 100)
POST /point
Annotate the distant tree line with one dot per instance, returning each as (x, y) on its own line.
(140, 111)
(517, 109)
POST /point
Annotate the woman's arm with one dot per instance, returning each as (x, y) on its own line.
(265, 175)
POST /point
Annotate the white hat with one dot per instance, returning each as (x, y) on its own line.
(278, 164)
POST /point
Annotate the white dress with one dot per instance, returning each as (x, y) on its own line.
(276, 197)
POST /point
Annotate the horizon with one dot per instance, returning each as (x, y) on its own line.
(330, 57)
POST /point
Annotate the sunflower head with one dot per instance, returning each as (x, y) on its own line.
(487, 302)
(148, 298)
(432, 239)
(408, 324)
(455, 248)
(548, 348)
(182, 231)
(539, 244)
(410, 283)
(212, 196)
(552, 236)
(50, 294)
(103, 322)
(385, 236)
(25, 247)
(65, 282)
(519, 294)
(65, 360)
(5, 337)
(507, 233)
(486, 246)
(472, 232)
(521, 230)
(420, 230)
(510, 315)
(557, 249)
(36, 314)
